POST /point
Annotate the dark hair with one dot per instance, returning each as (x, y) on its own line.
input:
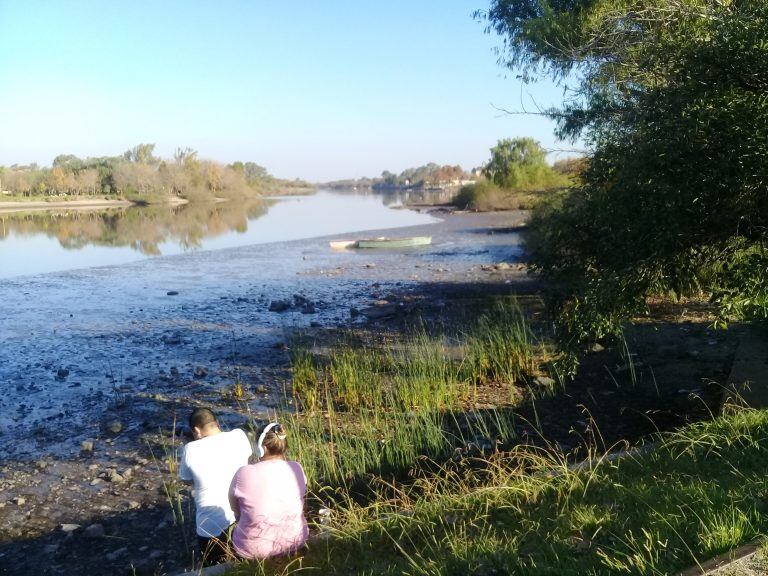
(276, 442)
(201, 417)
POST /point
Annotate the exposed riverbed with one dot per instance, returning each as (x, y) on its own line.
(106, 356)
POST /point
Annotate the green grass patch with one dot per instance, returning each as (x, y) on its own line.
(700, 492)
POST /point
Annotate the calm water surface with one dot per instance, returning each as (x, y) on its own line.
(67, 239)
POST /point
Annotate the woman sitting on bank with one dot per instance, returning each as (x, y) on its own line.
(268, 501)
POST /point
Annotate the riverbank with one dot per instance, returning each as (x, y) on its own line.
(97, 389)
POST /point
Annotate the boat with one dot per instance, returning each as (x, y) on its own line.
(381, 242)
(342, 244)
(394, 242)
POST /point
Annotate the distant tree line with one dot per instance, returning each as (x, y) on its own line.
(424, 177)
(139, 174)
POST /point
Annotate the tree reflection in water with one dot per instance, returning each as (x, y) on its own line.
(143, 229)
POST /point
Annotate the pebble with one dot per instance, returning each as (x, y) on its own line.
(172, 293)
(95, 481)
(86, 446)
(114, 426)
(133, 505)
(94, 531)
(279, 305)
(114, 477)
(62, 373)
(112, 556)
(544, 381)
(19, 500)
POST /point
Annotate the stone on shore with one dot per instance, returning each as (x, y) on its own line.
(114, 426)
(94, 531)
(279, 305)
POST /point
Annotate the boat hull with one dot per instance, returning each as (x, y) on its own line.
(395, 242)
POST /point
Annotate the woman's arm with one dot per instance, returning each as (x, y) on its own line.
(233, 503)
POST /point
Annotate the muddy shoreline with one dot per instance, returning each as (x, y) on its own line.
(94, 387)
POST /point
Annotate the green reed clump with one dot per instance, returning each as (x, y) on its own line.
(356, 377)
(500, 347)
(367, 409)
(306, 384)
(424, 375)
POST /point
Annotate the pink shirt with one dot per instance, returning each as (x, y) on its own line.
(270, 495)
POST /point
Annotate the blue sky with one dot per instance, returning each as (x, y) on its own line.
(311, 89)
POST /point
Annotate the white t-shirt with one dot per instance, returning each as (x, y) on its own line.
(210, 463)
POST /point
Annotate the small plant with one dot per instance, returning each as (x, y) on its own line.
(238, 390)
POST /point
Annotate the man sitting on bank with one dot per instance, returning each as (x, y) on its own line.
(210, 463)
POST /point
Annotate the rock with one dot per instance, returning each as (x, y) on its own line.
(133, 505)
(172, 339)
(62, 373)
(172, 293)
(114, 476)
(41, 464)
(114, 426)
(67, 528)
(308, 308)
(94, 531)
(279, 305)
(544, 381)
(95, 481)
(174, 372)
(370, 265)
(503, 266)
(200, 372)
(314, 324)
(19, 500)
(127, 473)
(354, 312)
(299, 300)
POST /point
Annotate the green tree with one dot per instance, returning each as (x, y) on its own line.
(518, 163)
(671, 97)
(141, 154)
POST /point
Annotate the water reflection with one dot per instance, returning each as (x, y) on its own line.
(66, 239)
(144, 229)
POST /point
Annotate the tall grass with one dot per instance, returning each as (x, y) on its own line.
(371, 409)
(697, 493)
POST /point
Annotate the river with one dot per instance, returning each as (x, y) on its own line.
(57, 240)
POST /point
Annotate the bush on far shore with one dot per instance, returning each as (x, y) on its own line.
(486, 196)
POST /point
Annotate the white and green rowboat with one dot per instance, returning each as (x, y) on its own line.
(383, 242)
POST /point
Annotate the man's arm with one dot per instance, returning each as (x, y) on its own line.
(185, 474)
